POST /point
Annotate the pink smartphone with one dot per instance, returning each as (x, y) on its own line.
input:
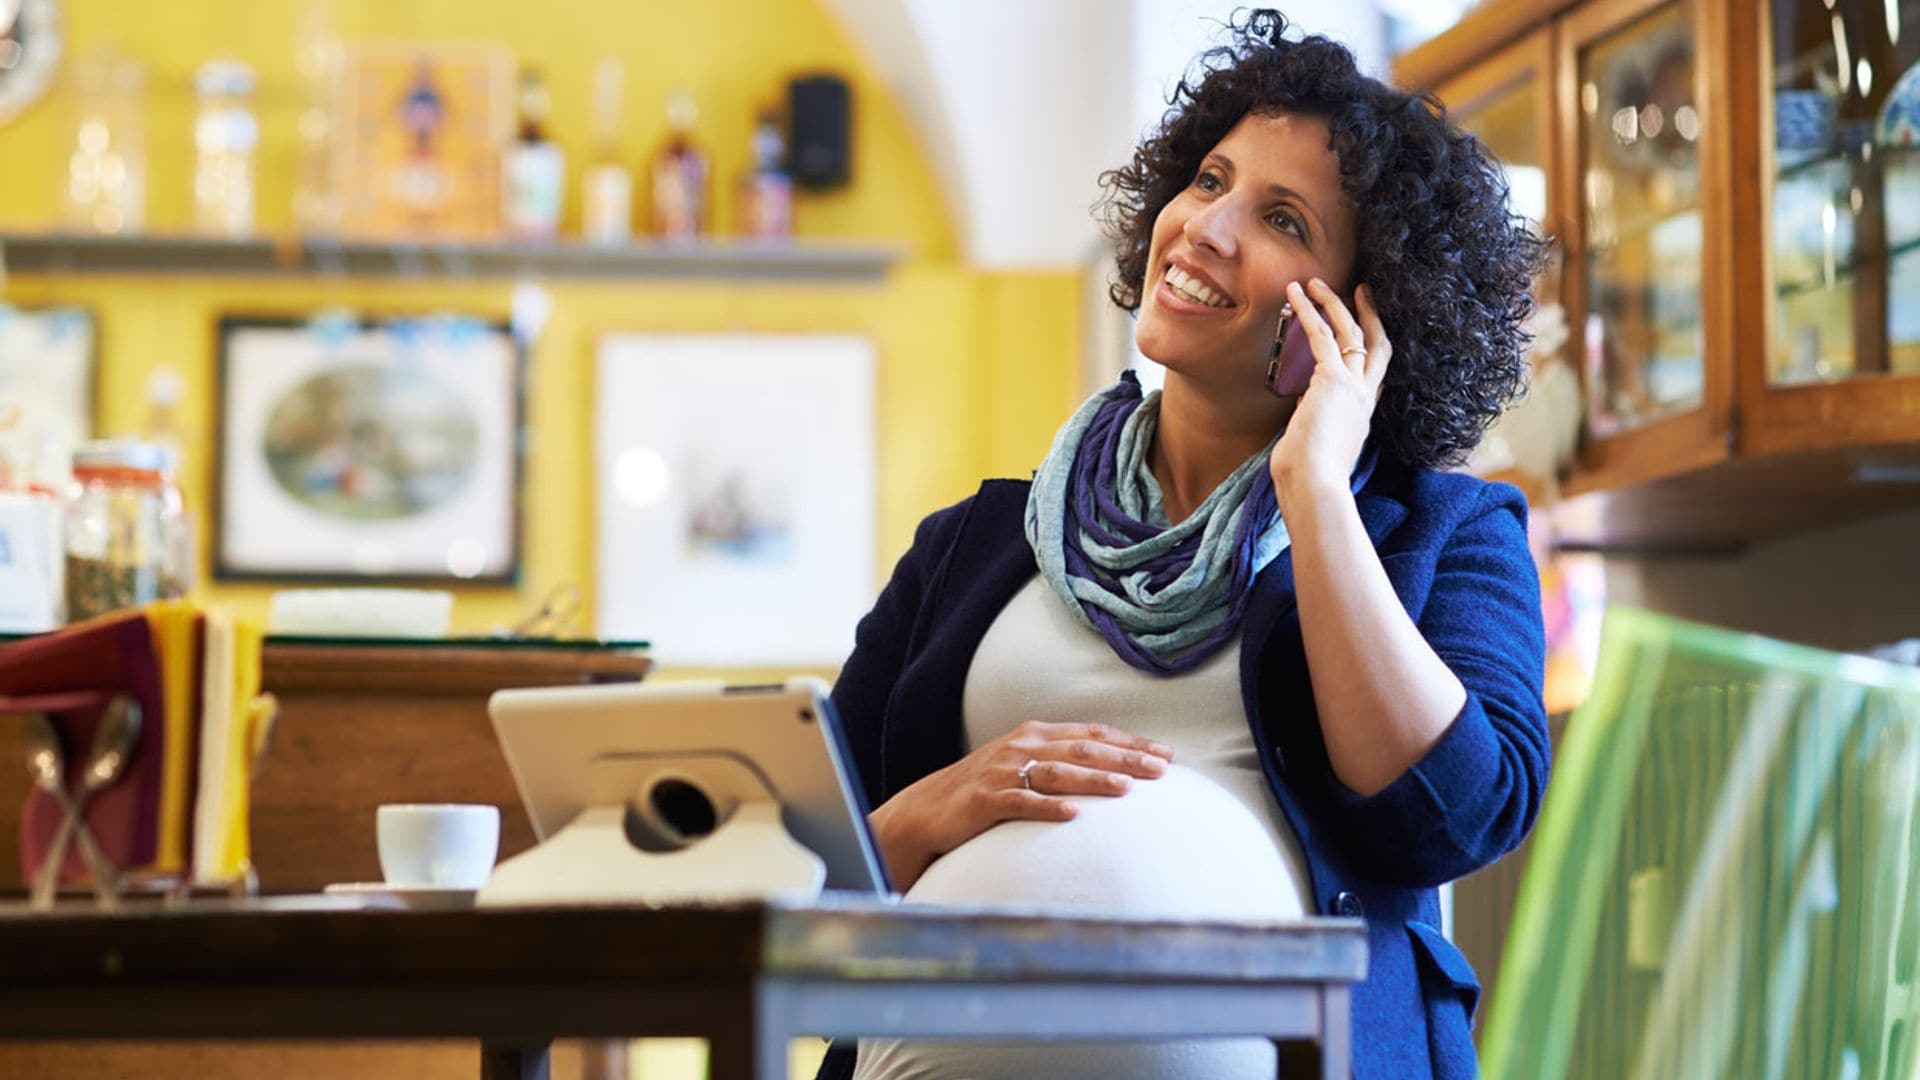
(1291, 365)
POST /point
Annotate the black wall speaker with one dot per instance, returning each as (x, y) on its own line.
(820, 108)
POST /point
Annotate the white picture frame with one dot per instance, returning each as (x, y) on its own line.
(387, 450)
(735, 496)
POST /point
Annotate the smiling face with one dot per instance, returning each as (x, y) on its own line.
(1265, 209)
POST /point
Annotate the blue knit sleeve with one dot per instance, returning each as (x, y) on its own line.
(1475, 794)
(881, 644)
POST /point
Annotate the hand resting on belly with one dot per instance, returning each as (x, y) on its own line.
(1181, 846)
(1030, 773)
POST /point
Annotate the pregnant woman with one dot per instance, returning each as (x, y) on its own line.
(1241, 649)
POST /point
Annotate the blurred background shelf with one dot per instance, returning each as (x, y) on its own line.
(1884, 156)
(785, 262)
(1848, 268)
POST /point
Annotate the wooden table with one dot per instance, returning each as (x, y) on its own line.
(747, 978)
(361, 723)
(364, 723)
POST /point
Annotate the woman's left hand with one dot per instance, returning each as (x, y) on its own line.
(1330, 423)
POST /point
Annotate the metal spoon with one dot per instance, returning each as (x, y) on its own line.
(48, 765)
(113, 742)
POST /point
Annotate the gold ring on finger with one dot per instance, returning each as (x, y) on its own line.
(1354, 350)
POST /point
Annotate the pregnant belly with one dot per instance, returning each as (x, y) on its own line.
(1184, 845)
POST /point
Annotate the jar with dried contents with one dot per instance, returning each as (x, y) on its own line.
(124, 513)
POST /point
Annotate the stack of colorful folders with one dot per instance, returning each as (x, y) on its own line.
(179, 811)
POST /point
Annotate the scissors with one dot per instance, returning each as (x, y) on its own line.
(555, 617)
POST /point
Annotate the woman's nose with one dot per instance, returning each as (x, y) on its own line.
(1212, 226)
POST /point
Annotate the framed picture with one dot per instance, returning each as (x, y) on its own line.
(387, 450)
(735, 484)
(423, 126)
(46, 391)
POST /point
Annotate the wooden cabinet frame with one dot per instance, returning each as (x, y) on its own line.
(1453, 55)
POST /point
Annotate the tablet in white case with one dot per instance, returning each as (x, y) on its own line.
(561, 741)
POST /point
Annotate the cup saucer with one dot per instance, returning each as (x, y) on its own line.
(411, 897)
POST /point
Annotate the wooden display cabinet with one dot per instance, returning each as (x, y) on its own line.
(1739, 382)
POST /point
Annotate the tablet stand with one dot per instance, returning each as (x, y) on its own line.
(675, 828)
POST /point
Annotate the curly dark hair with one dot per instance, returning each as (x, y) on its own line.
(1450, 269)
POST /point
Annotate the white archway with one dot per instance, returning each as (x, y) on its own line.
(1023, 103)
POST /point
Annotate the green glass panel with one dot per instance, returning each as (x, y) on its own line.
(1723, 876)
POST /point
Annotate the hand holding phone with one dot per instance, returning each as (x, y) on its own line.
(1290, 367)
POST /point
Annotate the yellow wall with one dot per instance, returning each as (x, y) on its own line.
(976, 369)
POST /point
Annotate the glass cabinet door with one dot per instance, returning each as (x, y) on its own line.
(1846, 191)
(1506, 101)
(1639, 142)
(1506, 108)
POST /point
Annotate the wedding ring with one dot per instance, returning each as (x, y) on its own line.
(1026, 778)
(1354, 350)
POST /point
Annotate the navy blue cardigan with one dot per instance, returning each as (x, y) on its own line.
(1455, 549)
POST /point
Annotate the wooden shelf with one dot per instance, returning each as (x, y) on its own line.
(1845, 270)
(1748, 498)
(793, 262)
(1849, 156)
(427, 668)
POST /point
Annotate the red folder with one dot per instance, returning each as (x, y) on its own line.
(114, 654)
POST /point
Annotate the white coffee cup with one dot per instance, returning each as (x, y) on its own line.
(437, 845)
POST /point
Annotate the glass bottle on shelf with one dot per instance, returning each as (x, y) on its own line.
(178, 549)
(680, 174)
(124, 516)
(224, 137)
(766, 190)
(1846, 191)
(165, 388)
(606, 215)
(1640, 133)
(106, 183)
(536, 172)
(317, 62)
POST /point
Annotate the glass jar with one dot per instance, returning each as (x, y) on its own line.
(106, 184)
(125, 523)
(224, 137)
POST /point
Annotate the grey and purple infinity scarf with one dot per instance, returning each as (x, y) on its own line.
(1166, 597)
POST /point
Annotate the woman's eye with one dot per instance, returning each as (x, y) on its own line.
(1206, 181)
(1286, 222)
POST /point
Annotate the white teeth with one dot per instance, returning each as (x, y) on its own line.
(1184, 284)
